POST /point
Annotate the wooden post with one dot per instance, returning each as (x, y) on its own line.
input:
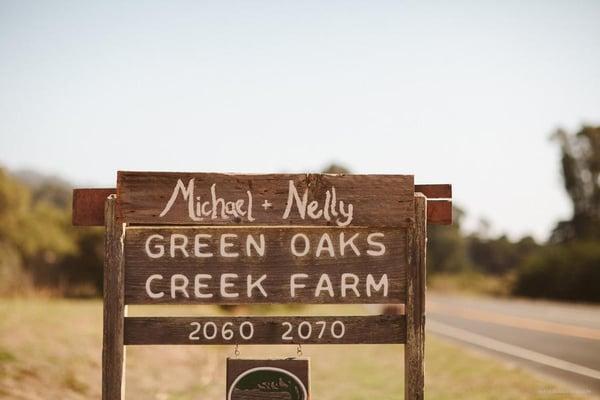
(414, 351)
(113, 352)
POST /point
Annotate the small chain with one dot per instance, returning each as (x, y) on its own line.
(299, 350)
(236, 351)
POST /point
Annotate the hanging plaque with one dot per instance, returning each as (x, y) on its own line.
(286, 379)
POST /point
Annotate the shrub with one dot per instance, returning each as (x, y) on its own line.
(566, 272)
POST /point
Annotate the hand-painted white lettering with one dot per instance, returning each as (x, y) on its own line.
(201, 244)
(267, 204)
(305, 330)
(295, 285)
(382, 284)
(294, 247)
(181, 246)
(251, 242)
(160, 247)
(179, 283)
(322, 324)
(225, 284)
(313, 209)
(226, 331)
(243, 334)
(349, 242)
(188, 194)
(324, 285)
(198, 246)
(198, 286)
(256, 284)
(287, 334)
(325, 244)
(149, 292)
(340, 331)
(326, 208)
(210, 330)
(378, 245)
(349, 282)
(194, 334)
(224, 245)
(214, 208)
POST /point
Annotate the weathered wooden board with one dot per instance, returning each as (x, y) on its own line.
(268, 379)
(320, 269)
(440, 211)
(435, 191)
(372, 329)
(414, 351)
(276, 199)
(88, 204)
(113, 351)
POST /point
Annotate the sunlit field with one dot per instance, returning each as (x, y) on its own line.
(51, 349)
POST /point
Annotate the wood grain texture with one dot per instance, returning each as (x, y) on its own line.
(299, 367)
(378, 200)
(88, 206)
(113, 352)
(372, 329)
(278, 264)
(440, 211)
(414, 352)
(435, 191)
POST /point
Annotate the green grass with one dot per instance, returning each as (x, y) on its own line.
(52, 349)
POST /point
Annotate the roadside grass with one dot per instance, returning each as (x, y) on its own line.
(471, 283)
(51, 349)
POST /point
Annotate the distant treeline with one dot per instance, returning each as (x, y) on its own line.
(41, 251)
(567, 267)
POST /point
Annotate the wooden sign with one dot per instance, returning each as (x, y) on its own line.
(238, 265)
(268, 379)
(197, 238)
(88, 204)
(282, 199)
(366, 329)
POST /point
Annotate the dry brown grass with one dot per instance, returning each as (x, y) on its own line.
(50, 349)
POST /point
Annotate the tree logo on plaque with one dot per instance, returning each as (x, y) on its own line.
(267, 379)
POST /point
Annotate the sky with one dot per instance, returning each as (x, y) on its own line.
(461, 92)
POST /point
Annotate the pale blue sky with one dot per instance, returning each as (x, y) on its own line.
(465, 92)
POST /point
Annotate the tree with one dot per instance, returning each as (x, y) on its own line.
(580, 159)
(447, 247)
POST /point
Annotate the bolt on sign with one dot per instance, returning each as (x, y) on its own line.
(204, 238)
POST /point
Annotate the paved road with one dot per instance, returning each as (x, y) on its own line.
(559, 340)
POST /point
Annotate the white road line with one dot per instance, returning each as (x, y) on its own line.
(516, 351)
(515, 321)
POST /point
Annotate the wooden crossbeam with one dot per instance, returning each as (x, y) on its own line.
(88, 204)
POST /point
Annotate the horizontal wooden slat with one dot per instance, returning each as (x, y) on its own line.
(378, 253)
(439, 212)
(88, 206)
(435, 191)
(379, 329)
(368, 200)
